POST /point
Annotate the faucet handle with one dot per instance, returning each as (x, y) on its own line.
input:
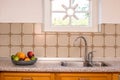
(91, 53)
(90, 57)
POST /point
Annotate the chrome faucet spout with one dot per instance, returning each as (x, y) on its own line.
(86, 61)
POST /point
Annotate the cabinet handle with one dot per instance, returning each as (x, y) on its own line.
(83, 79)
(27, 78)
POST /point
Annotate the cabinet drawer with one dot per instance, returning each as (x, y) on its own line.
(27, 76)
(83, 76)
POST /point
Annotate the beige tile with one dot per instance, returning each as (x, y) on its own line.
(110, 52)
(16, 40)
(109, 29)
(118, 40)
(118, 52)
(75, 52)
(4, 52)
(39, 51)
(101, 30)
(14, 50)
(4, 28)
(63, 40)
(28, 28)
(118, 29)
(39, 39)
(98, 33)
(27, 40)
(83, 50)
(98, 41)
(51, 40)
(51, 52)
(88, 39)
(73, 42)
(62, 33)
(27, 49)
(51, 33)
(62, 52)
(98, 52)
(38, 29)
(16, 28)
(75, 33)
(110, 40)
(4, 40)
(86, 33)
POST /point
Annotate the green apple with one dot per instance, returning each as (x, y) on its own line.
(12, 57)
(33, 58)
(16, 58)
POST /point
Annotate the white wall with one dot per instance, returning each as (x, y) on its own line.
(21, 11)
(110, 11)
(31, 11)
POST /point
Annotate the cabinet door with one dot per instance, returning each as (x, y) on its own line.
(83, 76)
(116, 76)
(0, 75)
(27, 76)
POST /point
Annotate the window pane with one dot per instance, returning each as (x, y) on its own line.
(70, 12)
(83, 19)
(83, 5)
(57, 19)
(57, 5)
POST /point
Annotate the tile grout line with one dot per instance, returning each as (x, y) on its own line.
(33, 37)
(80, 47)
(57, 46)
(45, 46)
(104, 46)
(10, 41)
(115, 40)
(22, 36)
(92, 41)
(69, 35)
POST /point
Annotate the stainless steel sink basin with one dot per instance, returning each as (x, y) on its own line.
(72, 64)
(81, 64)
(100, 64)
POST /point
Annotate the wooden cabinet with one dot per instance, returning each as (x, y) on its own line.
(55, 76)
(83, 76)
(116, 76)
(26, 76)
(0, 75)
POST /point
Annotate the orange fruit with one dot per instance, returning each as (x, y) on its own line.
(27, 59)
(21, 55)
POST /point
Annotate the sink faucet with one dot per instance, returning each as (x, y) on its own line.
(90, 57)
(86, 56)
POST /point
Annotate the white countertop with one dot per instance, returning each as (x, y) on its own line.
(54, 66)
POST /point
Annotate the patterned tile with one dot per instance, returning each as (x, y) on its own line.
(57, 44)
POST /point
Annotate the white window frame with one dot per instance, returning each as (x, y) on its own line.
(94, 27)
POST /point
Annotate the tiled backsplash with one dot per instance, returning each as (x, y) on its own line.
(29, 37)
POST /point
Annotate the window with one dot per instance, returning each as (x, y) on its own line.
(71, 15)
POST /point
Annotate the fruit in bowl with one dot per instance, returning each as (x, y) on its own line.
(30, 54)
(15, 58)
(21, 55)
(20, 58)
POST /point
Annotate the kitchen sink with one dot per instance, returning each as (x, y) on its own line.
(100, 64)
(81, 64)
